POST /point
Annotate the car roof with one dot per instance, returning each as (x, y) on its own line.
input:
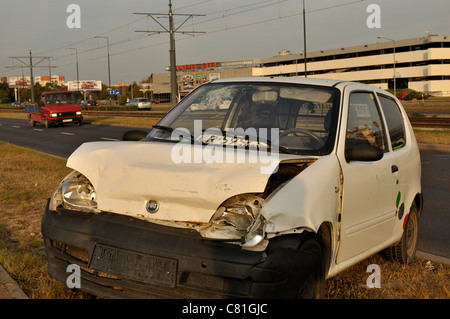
(302, 80)
(297, 80)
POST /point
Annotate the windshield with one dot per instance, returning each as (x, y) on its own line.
(297, 118)
(61, 98)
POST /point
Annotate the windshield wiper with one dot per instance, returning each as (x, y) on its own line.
(268, 142)
(171, 129)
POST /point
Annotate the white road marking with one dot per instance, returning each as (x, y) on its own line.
(65, 133)
(108, 139)
(15, 126)
(38, 129)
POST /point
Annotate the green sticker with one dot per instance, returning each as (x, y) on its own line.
(399, 195)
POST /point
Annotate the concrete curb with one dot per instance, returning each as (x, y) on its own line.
(9, 287)
(435, 258)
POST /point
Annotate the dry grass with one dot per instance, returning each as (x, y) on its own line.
(28, 178)
(432, 136)
(414, 281)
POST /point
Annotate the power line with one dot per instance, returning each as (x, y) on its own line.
(171, 31)
(29, 63)
(225, 13)
(228, 28)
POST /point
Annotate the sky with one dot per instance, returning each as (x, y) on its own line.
(225, 30)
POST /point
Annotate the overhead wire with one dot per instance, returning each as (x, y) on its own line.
(223, 13)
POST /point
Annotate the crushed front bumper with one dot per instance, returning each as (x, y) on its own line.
(124, 257)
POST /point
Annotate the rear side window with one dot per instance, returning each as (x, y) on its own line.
(394, 120)
(364, 124)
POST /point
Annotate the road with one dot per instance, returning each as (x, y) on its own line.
(434, 233)
(58, 140)
(434, 224)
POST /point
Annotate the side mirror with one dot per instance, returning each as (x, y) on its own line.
(134, 135)
(364, 153)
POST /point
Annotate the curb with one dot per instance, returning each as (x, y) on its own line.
(432, 257)
(9, 289)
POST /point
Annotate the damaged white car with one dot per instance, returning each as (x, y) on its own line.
(251, 187)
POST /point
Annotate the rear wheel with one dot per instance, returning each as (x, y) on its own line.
(405, 251)
(31, 121)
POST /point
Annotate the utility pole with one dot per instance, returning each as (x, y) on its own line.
(393, 46)
(76, 61)
(304, 36)
(31, 66)
(109, 63)
(171, 31)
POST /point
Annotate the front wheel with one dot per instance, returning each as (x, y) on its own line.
(314, 285)
(405, 251)
(46, 123)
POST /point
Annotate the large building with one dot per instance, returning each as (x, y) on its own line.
(421, 64)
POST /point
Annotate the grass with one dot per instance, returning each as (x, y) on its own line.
(28, 178)
(432, 136)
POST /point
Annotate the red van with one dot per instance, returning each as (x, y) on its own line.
(55, 107)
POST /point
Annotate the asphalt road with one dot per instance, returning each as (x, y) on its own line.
(434, 224)
(58, 140)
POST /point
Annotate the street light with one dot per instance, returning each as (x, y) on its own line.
(109, 66)
(76, 55)
(393, 43)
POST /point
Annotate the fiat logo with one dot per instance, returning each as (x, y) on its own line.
(152, 206)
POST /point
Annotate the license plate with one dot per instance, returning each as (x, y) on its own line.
(141, 267)
(67, 120)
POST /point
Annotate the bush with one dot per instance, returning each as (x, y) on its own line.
(408, 94)
(111, 108)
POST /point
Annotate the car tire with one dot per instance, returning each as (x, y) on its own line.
(314, 285)
(31, 121)
(405, 251)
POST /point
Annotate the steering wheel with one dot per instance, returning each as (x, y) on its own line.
(305, 132)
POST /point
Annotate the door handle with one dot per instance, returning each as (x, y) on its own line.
(394, 168)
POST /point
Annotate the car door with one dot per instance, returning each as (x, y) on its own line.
(369, 187)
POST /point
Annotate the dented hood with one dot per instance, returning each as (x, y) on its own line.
(126, 175)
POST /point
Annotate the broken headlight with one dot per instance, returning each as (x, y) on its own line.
(238, 220)
(76, 193)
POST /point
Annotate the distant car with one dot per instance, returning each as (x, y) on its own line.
(297, 181)
(90, 103)
(141, 103)
(156, 101)
(16, 104)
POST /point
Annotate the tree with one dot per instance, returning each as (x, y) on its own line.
(6, 94)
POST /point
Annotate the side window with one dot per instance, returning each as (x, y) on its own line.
(364, 125)
(394, 121)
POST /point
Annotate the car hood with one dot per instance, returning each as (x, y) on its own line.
(127, 175)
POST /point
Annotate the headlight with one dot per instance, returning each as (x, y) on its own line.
(76, 193)
(78, 113)
(238, 220)
(53, 114)
(239, 217)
